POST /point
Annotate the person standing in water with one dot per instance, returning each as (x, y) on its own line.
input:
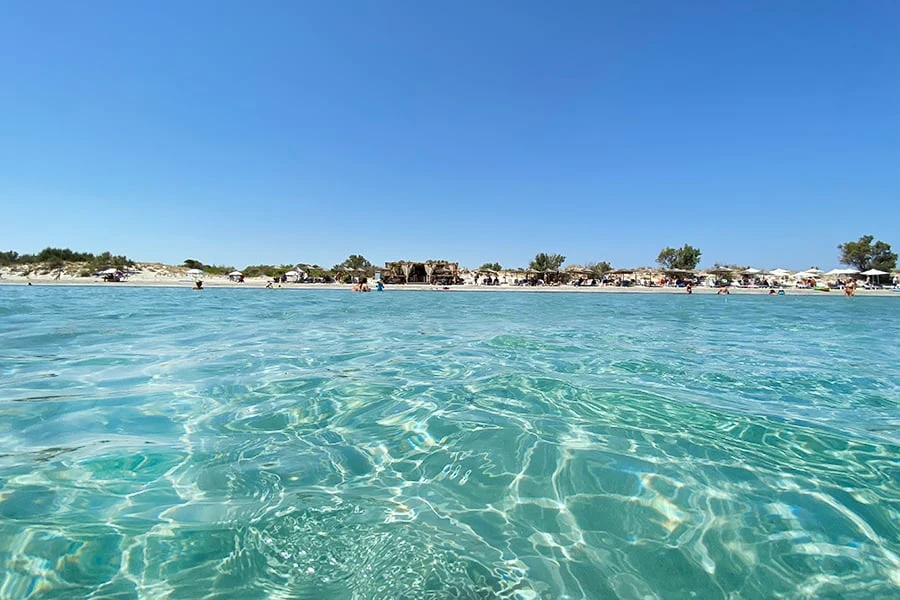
(362, 286)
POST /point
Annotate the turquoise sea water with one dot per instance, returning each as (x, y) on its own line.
(164, 443)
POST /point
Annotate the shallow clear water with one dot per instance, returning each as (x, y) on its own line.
(164, 443)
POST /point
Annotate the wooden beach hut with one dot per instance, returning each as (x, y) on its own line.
(430, 272)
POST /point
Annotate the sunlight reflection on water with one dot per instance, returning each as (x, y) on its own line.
(158, 443)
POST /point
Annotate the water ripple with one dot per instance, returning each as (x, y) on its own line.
(236, 443)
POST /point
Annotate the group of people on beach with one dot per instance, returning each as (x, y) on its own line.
(363, 285)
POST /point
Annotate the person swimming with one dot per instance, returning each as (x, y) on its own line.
(362, 286)
(198, 285)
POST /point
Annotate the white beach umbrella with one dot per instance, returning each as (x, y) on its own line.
(815, 270)
(779, 272)
(804, 275)
(292, 273)
(194, 272)
(109, 271)
(751, 271)
(235, 274)
(873, 273)
(836, 272)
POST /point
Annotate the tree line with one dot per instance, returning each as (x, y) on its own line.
(864, 254)
(57, 258)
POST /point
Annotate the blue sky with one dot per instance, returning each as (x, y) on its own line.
(765, 133)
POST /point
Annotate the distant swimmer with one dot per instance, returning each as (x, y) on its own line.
(362, 286)
(198, 285)
(723, 290)
(689, 287)
(379, 286)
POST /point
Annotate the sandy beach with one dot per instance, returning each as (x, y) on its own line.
(164, 276)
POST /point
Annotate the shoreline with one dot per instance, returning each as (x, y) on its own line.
(253, 283)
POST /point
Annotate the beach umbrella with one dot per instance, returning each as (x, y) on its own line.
(779, 272)
(835, 272)
(721, 272)
(235, 274)
(815, 270)
(194, 272)
(874, 273)
(751, 271)
(110, 271)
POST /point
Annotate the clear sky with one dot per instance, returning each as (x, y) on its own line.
(765, 133)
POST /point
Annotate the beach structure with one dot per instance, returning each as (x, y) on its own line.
(547, 277)
(112, 274)
(873, 276)
(431, 272)
(719, 276)
(579, 275)
(487, 276)
(294, 276)
(620, 277)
